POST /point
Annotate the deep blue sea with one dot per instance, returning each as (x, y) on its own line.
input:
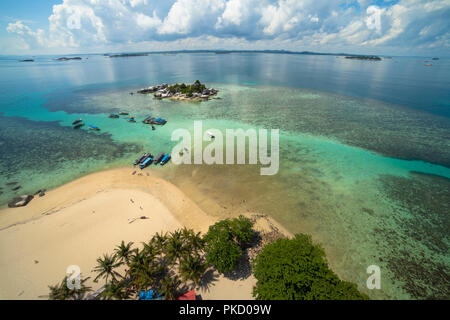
(364, 146)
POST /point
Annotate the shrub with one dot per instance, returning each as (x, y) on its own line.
(223, 254)
(296, 269)
(224, 242)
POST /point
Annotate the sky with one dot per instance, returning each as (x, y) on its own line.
(383, 27)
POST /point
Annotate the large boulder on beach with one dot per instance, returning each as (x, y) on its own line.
(20, 201)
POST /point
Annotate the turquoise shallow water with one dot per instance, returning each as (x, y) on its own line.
(368, 179)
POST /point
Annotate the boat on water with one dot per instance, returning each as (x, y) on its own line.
(159, 121)
(146, 162)
(159, 157)
(165, 159)
(113, 115)
(139, 160)
(78, 125)
(131, 119)
(148, 120)
(74, 122)
(92, 127)
(123, 113)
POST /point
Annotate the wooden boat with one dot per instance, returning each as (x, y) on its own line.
(159, 157)
(148, 120)
(113, 115)
(122, 113)
(139, 160)
(146, 162)
(74, 122)
(92, 127)
(159, 121)
(165, 159)
(78, 125)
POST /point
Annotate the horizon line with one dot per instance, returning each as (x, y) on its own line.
(274, 51)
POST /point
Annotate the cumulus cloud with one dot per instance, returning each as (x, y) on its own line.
(295, 24)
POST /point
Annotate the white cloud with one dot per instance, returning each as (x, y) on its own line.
(294, 24)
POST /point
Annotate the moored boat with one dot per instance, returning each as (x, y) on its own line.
(147, 161)
(148, 119)
(123, 113)
(74, 122)
(113, 115)
(159, 121)
(139, 160)
(165, 159)
(78, 125)
(159, 157)
(92, 127)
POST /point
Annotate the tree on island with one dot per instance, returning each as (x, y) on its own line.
(60, 291)
(192, 268)
(296, 269)
(106, 268)
(124, 252)
(225, 240)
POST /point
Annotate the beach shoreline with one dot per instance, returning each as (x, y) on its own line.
(78, 222)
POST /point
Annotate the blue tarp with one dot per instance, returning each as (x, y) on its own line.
(149, 295)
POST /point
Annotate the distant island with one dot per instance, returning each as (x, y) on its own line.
(127, 55)
(221, 51)
(373, 58)
(180, 91)
(67, 59)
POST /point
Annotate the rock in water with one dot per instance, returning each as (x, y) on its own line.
(20, 201)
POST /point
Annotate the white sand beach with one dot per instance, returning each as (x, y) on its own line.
(80, 221)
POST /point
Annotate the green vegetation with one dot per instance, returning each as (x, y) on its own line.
(62, 292)
(189, 89)
(155, 266)
(296, 269)
(285, 269)
(225, 240)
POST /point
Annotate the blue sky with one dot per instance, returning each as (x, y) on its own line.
(391, 27)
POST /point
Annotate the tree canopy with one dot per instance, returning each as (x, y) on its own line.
(225, 240)
(296, 269)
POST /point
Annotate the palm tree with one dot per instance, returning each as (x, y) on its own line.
(105, 268)
(62, 292)
(124, 252)
(159, 240)
(115, 290)
(150, 250)
(186, 233)
(169, 287)
(196, 243)
(193, 268)
(144, 271)
(174, 247)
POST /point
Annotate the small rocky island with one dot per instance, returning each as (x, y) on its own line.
(192, 92)
(128, 55)
(68, 59)
(372, 58)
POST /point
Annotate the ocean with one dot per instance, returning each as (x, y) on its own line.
(364, 146)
